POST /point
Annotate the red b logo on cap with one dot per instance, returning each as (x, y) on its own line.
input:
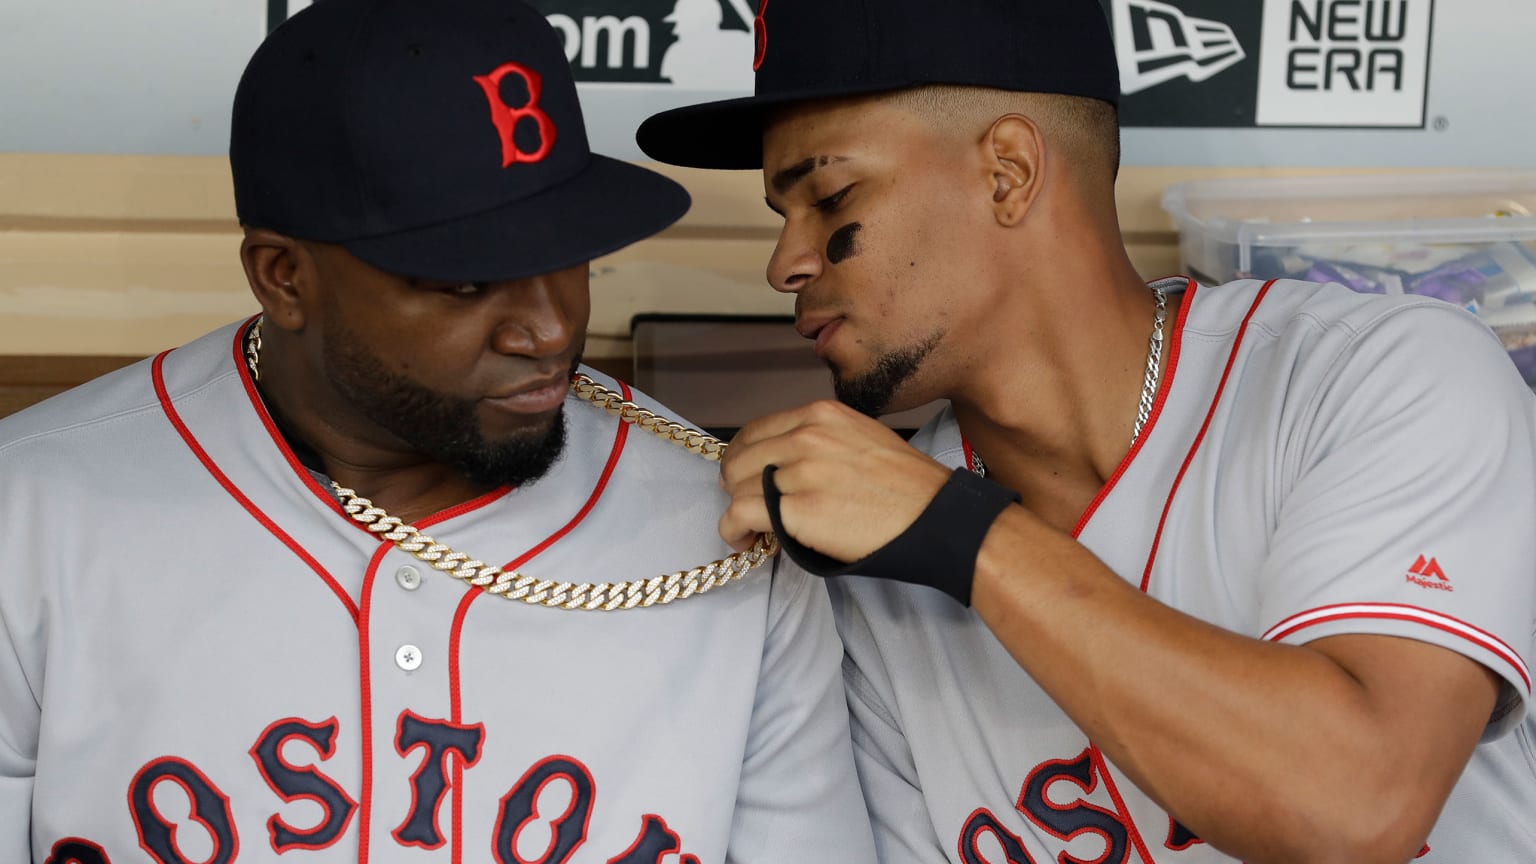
(506, 117)
(760, 35)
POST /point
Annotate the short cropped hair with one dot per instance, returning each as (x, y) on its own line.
(1086, 127)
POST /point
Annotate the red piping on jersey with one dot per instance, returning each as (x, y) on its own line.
(1102, 765)
(1237, 344)
(260, 407)
(970, 455)
(454, 691)
(171, 414)
(1387, 611)
(365, 686)
(469, 506)
(1157, 410)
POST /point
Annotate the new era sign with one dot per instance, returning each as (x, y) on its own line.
(1156, 42)
(1327, 63)
(1183, 63)
(1344, 62)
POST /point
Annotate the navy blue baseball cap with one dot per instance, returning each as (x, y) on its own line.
(819, 49)
(438, 139)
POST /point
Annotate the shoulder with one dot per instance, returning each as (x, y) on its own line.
(647, 476)
(114, 409)
(1287, 309)
(1307, 336)
(654, 441)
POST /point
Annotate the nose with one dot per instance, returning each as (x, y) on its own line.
(541, 316)
(796, 261)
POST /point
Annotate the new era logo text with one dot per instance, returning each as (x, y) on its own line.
(1344, 62)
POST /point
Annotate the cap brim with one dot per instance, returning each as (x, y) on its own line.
(729, 134)
(607, 206)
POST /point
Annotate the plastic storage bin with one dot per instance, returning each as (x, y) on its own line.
(1468, 239)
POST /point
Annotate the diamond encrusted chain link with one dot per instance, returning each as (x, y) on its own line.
(579, 596)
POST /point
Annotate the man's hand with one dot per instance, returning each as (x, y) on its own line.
(850, 485)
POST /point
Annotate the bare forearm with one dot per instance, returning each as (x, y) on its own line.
(1269, 752)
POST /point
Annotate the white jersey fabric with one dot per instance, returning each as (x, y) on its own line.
(1349, 464)
(203, 659)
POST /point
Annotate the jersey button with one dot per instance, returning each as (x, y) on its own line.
(408, 658)
(408, 578)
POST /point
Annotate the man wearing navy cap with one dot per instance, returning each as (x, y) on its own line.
(374, 576)
(1182, 574)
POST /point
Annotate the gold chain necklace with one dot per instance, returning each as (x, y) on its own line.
(583, 596)
(1149, 384)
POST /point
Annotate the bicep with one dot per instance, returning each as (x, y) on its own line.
(1432, 703)
(799, 799)
(898, 812)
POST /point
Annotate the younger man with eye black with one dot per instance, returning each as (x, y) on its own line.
(1243, 573)
(225, 629)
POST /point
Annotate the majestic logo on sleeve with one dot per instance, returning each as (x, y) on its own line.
(1426, 573)
(508, 119)
(1157, 42)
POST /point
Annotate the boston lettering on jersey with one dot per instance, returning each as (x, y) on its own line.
(212, 819)
(1040, 802)
(1047, 809)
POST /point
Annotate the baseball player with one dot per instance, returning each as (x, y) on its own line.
(329, 584)
(1181, 575)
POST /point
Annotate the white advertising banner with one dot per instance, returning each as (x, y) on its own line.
(1393, 83)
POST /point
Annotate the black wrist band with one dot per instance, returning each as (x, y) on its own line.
(938, 550)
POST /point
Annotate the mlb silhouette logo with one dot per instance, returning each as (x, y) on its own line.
(691, 44)
(706, 56)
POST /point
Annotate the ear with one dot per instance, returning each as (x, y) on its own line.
(276, 266)
(1016, 161)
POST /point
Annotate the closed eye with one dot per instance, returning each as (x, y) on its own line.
(831, 202)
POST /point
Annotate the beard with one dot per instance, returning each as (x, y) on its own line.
(871, 394)
(443, 427)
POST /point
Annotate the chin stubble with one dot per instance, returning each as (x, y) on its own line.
(871, 393)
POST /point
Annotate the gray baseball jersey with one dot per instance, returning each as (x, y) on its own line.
(203, 659)
(1319, 463)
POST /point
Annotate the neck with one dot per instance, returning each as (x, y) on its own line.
(330, 436)
(1052, 401)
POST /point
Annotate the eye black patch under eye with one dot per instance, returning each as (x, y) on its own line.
(844, 243)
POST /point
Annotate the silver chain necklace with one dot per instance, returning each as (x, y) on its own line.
(1149, 384)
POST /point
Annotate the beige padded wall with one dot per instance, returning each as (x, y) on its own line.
(118, 257)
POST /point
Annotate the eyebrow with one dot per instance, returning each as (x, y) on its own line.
(786, 179)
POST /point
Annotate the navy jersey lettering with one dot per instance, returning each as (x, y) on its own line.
(1068, 821)
(981, 823)
(73, 850)
(210, 809)
(655, 840)
(293, 783)
(1179, 837)
(520, 808)
(429, 785)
